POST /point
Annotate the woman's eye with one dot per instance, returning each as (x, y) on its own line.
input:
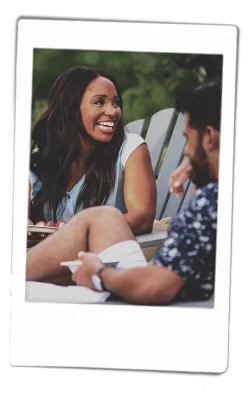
(99, 102)
(117, 103)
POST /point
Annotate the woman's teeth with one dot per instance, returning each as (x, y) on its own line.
(106, 126)
(106, 123)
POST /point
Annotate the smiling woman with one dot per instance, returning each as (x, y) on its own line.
(81, 157)
(101, 113)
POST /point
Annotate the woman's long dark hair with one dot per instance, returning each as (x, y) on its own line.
(56, 136)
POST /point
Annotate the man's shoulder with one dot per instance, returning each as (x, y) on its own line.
(211, 187)
(203, 206)
(207, 194)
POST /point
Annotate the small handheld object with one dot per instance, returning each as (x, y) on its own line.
(74, 265)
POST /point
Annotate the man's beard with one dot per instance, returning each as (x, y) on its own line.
(201, 173)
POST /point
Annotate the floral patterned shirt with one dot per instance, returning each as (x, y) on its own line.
(190, 247)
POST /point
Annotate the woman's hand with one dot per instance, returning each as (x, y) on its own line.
(29, 222)
(34, 238)
(179, 177)
(91, 263)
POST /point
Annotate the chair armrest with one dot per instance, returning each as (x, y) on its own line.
(196, 304)
(151, 239)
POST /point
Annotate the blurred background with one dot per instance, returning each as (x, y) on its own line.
(149, 82)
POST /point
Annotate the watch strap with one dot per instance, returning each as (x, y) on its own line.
(100, 270)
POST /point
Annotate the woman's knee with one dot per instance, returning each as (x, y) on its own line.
(105, 213)
(109, 210)
(96, 214)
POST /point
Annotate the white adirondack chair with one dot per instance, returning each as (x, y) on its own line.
(135, 126)
(162, 124)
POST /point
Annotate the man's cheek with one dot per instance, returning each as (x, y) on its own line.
(188, 152)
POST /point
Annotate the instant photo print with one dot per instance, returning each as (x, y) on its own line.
(74, 326)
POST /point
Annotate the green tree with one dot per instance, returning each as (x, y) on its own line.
(149, 81)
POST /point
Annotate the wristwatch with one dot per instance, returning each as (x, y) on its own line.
(96, 278)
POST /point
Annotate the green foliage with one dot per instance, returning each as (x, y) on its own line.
(148, 81)
(40, 107)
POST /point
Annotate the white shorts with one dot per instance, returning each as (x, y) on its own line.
(128, 254)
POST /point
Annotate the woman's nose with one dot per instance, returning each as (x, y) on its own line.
(110, 110)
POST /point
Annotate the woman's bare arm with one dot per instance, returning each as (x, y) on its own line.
(140, 191)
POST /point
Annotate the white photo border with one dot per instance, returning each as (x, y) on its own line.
(113, 336)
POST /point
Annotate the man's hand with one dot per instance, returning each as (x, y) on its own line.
(91, 263)
(179, 177)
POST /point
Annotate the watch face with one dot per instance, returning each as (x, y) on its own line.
(97, 283)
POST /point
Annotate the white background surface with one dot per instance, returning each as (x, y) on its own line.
(204, 347)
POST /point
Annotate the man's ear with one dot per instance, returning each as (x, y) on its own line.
(211, 139)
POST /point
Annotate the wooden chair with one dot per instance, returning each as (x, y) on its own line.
(135, 126)
(162, 124)
(158, 133)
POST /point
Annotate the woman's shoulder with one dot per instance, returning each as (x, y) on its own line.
(130, 138)
(131, 142)
(33, 178)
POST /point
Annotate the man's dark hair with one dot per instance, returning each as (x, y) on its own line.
(203, 104)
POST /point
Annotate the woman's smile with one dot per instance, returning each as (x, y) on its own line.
(106, 126)
(100, 109)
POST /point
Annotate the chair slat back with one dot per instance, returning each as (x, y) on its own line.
(188, 196)
(135, 126)
(172, 159)
(159, 130)
(157, 134)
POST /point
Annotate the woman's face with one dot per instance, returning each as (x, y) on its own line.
(100, 109)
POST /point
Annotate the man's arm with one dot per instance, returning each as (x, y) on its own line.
(149, 285)
(141, 285)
